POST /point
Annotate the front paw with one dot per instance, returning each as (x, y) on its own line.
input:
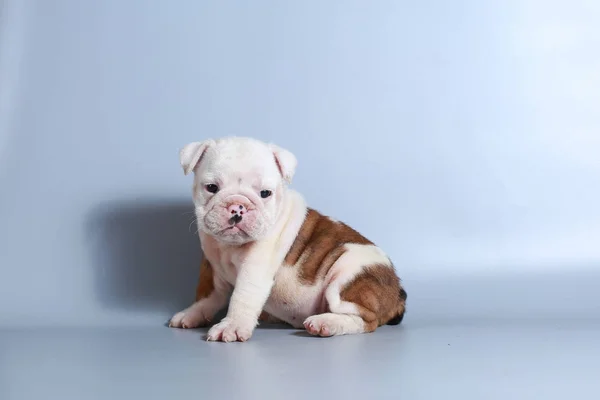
(230, 330)
(190, 318)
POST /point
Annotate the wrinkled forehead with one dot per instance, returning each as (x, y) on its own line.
(245, 162)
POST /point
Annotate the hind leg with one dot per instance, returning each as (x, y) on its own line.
(345, 317)
(331, 324)
(359, 298)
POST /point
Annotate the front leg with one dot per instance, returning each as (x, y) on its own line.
(252, 288)
(211, 297)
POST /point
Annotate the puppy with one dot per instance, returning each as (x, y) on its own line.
(265, 251)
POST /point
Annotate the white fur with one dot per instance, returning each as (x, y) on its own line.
(293, 302)
(286, 162)
(190, 155)
(241, 168)
(256, 269)
(250, 261)
(330, 324)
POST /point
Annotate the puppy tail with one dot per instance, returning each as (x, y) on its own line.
(402, 296)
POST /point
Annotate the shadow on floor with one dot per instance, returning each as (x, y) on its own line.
(146, 254)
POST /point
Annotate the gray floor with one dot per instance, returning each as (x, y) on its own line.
(495, 359)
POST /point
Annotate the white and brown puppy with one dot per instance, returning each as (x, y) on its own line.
(265, 250)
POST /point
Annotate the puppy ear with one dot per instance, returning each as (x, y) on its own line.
(286, 162)
(190, 155)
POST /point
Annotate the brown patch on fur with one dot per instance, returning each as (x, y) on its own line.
(379, 296)
(206, 284)
(269, 319)
(319, 244)
(264, 316)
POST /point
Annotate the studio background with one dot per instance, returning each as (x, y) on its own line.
(461, 136)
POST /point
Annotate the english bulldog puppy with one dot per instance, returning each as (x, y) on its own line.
(265, 251)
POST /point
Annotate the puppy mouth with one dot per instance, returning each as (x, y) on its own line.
(234, 227)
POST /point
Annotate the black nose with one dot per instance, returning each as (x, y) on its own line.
(235, 219)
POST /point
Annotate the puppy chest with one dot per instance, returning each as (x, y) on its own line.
(224, 266)
(225, 262)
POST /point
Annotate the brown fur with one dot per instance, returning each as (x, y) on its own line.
(319, 244)
(206, 283)
(269, 319)
(379, 296)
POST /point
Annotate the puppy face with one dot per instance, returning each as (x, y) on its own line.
(239, 186)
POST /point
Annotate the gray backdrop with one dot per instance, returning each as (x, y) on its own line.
(461, 136)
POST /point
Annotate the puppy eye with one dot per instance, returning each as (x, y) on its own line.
(265, 193)
(212, 188)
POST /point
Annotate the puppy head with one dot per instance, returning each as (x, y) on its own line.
(239, 186)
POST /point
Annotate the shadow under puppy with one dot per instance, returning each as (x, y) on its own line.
(265, 251)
